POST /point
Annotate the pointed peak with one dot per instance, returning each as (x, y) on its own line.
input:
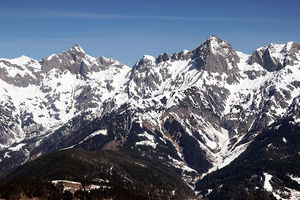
(76, 48)
(214, 44)
(213, 37)
(214, 40)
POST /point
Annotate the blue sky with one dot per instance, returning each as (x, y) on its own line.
(126, 30)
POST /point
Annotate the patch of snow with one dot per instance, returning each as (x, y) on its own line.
(140, 164)
(51, 56)
(289, 45)
(268, 187)
(277, 127)
(22, 60)
(294, 194)
(146, 143)
(232, 155)
(297, 120)
(295, 178)
(149, 142)
(3, 146)
(17, 147)
(65, 181)
(173, 192)
(70, 147)
(99, 132)
(267, 184)
(149, 57)
(184, 51)
(94, 187)
(6, 155)
(224, 156)
(181, 165)
(284, 140)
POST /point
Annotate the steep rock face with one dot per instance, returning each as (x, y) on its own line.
(10, 129)
(144, 78)
(195, 110)
(215, 55)
(274, 57)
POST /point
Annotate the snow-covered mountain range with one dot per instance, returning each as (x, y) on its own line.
(195, 110)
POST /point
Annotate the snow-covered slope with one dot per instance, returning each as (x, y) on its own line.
(196, 110)
(220, 97)
(40, 95)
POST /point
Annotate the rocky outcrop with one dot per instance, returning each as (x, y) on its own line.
(275, 57)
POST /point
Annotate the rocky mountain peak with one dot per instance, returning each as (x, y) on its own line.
(163, 57)
(215, 55)
(214, 40)
(146, 61)
(75, 60)
(215, 45)
(76, 49)
(276, 56)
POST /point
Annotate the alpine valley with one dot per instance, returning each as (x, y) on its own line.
(210, 123)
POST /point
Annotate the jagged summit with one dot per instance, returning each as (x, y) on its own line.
(214, 55)
(76, 48)
(214, 44)
(276, 56)
(214, 40)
